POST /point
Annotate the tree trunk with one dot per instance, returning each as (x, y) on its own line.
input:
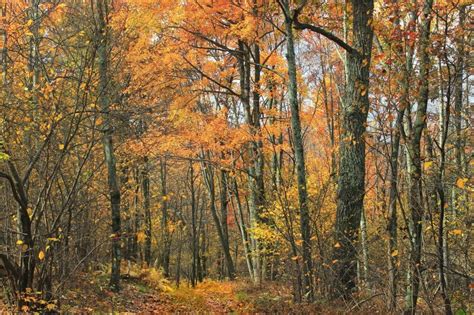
(308, 291)
(243, 230)
(363, 245)
(208, 175)
(414, 148)
(165, 239)
(255, 171)
(147, 210)
(458, 108)
(107, 128)
(392, 213)
(351, 181)
(194, 231)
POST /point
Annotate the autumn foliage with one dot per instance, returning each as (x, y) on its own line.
(227, 154)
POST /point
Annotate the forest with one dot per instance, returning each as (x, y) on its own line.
(236, 156)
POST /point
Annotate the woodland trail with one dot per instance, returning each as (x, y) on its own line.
(145, 294)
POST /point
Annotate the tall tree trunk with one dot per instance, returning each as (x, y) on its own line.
(107, 128)
(255, 172)
(223, 203)
(351, 180)
(414, 148)
(308, 291)
(365, 250)
(243, 229)
(165, 235)
(392, 225)
(406, 67)
(444, 120)
(194, 232)
(4, 41)
(458, 108)
(147, 210)
(208, 175)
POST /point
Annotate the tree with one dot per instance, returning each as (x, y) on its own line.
(355, 108)
(308, 293)
(104, 100)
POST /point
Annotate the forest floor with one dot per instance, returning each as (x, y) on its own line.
(140, 295)
(147, 292)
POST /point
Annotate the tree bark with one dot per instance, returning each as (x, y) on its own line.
(107, 128)
(414, 154)
(166, 238)
(256, 168)
(351, 179)
(208, 175)
(308, 290)
(147, 210)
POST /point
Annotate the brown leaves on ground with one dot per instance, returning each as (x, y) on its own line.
(139, 295)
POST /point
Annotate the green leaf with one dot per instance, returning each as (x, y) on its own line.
(4, 156)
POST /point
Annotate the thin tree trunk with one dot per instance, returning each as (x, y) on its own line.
(365, 254)
(243, 231)
(414, 147)
(194, 231)
(166, 240)
(458, 108)
(392, 215)
(208, 175)
(104, 103)
(308, 290)
(255, 178)
(147, 210)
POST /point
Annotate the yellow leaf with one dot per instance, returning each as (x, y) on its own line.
(428, 164)
(19, 242)
(41, 255)
(30, 212)
(337, 245)
(457, 232)
(61, 146)
(299, 242)
(461, 182)
(141, 237)
(394, 253)
(50, 307)
(294, 258)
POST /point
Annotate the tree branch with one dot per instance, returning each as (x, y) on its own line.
(317, 29)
